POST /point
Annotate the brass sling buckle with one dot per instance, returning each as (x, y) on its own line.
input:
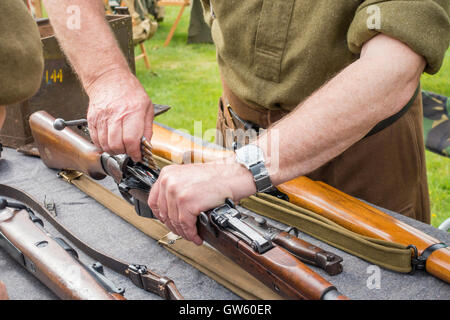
(69, 175)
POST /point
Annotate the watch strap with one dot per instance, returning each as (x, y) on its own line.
(261, 177)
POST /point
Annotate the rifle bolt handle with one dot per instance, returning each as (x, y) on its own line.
(59, 124)
(260, 221)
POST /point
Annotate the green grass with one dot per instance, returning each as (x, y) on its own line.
(438, 167)
(187, 78)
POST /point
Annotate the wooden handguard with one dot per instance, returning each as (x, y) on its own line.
(49, 262)
(179, 149)
(321, 198)
(65, 149)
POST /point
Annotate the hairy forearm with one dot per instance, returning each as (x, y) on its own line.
(90, 45)
(344, 110)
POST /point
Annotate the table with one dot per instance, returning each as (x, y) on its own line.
(105, 231)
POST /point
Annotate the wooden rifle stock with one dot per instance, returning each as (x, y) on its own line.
(364, 219)
(48, 261)
(3, 293)
(65, 148)
(321, 198)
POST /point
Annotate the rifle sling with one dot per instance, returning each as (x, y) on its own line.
(204, 258)
(390, 255)
(138, 274)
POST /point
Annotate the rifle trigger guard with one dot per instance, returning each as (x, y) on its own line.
(123, 189)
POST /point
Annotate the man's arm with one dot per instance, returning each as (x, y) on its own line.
(346, 108)
(120, 111)
(339, 114)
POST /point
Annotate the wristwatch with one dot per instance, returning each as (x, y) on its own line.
(252, 157)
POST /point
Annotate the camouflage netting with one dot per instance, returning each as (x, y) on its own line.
(436, 123)
(143, 12)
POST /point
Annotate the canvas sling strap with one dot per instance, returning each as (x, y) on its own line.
(390, 255)
(204, 258)
(138, 274)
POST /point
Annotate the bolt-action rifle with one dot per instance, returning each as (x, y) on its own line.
(52, 260)
(221, 227)
(427, 253)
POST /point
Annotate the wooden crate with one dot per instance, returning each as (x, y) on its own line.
(61, 94)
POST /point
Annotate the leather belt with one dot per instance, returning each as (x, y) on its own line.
(251, 117)
(138, 274)
(255, 116)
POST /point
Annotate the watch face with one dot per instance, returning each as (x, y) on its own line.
(249, 155)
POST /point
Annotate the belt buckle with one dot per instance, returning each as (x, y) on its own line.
(246, 124)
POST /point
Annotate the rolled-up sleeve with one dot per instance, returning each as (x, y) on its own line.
(424, 25)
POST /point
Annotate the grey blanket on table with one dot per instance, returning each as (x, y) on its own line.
(100, 228)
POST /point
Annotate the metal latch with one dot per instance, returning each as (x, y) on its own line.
(227, 216)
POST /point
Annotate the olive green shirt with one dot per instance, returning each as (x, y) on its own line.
(21, 57)
(275, 53)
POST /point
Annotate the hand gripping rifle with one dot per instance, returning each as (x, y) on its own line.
(221, 227)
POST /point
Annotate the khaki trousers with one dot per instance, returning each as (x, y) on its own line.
(386, 169)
